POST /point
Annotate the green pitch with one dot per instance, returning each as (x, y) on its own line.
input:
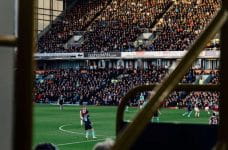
(63, 128)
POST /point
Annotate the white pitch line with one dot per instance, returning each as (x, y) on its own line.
(67, 131)
(80, 142)
(61, 129)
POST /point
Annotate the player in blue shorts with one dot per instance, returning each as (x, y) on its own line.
(141, 101)
(61, 101)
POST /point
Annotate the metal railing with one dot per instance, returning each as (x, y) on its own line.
(142, 88)
(128, 136)
(23, 77)
(8, 40)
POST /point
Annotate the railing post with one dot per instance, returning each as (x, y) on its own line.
(223, 127)
(22, 138)
(126, 139)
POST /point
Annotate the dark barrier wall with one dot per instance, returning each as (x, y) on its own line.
(176, 137)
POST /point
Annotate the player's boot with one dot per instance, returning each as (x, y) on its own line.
(87, 135)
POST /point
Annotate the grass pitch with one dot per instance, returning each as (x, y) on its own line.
(63, 128)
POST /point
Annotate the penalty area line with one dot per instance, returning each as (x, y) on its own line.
(79, 142)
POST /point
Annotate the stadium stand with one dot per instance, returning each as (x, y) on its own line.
(127, 80)
(113, 26)
(102, 87)
(74, 85)
(75, 19)
(179, 99)
(81, 85)
(183, 23)
(120, 24)
(116, 25)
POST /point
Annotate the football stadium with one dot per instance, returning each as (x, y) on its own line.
(114, 74)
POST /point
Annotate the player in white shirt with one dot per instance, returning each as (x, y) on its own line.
(197, 110)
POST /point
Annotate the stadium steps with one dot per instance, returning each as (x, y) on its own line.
(62, 15)
(169, 8)
(92, 20)
(156, 20)
(162, 14)
(97, 15)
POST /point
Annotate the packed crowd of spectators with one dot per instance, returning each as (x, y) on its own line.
(73, 85)
(129, 78)
(214, 77)
(118, 23)
(96, 86)
(75, 19)
(180, 26)
(107, 87)
(179, 98)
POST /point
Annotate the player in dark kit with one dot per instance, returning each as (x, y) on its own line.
(61, 101)
(189, 109)
(155, 117)
(87, 123)
(141, 101)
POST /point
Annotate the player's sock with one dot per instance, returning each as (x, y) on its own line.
(93, 134)
(126, 108)
(184, 113)
(81, 123)
(152, 120)
(189, 115)
(87, 134)
(157, 119)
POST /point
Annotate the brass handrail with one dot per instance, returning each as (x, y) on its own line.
(22, 135)
(222, 142)
(129, 135)
(141, 88)
(8, 40)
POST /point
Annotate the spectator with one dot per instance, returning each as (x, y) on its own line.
(118, 24)
(46, 146)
